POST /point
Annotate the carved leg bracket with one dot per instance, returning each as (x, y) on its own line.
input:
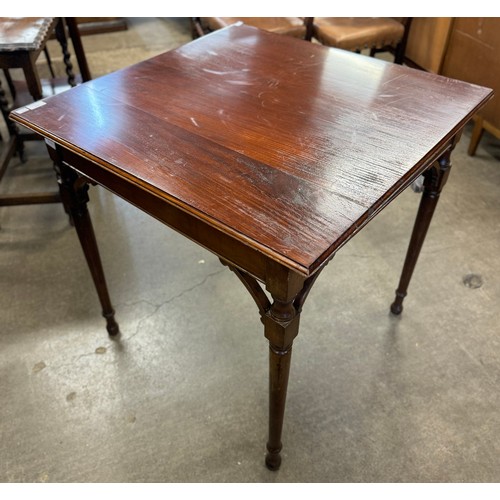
(253, 287)
(434, 180)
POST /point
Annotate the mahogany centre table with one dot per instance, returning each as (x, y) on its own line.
(270, 152)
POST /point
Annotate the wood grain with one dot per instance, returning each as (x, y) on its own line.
(286, 146)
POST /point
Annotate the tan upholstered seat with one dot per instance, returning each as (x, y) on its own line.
(292, 26)
(358, 33)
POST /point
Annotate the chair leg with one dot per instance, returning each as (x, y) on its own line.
(10, 83)
(309, 24)
(196, 28)
(477, 133)
(399, 53)
(49, 62)
(63, 41)
(15, 143)
(74, 34)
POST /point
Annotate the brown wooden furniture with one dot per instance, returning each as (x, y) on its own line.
(473, 55)
(379, 34)
(97, 25)
(464, 48)
(299, 27)
(21, 42)
(268, 151)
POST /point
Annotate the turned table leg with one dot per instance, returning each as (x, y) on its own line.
(74, 196)
(281, 327)
(435, 179)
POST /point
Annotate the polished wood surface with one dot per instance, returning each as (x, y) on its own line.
(269, 151)
(286, 146)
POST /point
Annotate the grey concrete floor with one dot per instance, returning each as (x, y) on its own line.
(181, 395)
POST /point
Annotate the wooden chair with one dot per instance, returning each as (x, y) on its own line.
(299, 27)
(379, 34)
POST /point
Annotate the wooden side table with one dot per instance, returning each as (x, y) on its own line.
(269, 151)
(21, 42)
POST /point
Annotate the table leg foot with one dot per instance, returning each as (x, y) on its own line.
(397, 305)
(273, 460)
(111, 324)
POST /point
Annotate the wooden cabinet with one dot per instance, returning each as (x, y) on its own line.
(465, 48)
(473, 55)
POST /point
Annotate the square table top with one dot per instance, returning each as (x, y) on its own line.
(24, 33)
(285, 145)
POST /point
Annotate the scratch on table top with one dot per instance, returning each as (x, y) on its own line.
(239, 82)
(394, 79)
(215, 72)
(194, 121)
(398, 100)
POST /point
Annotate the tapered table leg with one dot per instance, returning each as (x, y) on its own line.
(279, 369)
(281, 326)
(75, 197)
(435, 179)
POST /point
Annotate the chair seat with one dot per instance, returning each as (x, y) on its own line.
(292, 26)
(357, 33)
